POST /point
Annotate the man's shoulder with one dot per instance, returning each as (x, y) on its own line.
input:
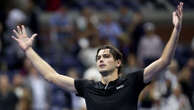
(134, 73)
(85, 82)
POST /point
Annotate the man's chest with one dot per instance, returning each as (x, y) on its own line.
(113, 94)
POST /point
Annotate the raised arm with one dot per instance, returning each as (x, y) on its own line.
(169, 50)
(43, 68)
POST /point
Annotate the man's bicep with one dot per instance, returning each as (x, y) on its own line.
(152, 69)
(65, 82)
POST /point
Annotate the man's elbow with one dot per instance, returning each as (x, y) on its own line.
(165, 62)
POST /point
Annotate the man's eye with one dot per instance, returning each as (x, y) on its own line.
(106, 55)
(98, 57)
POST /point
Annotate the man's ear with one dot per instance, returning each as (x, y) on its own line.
(118, 63)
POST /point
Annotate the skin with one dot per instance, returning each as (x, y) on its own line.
(110, 66)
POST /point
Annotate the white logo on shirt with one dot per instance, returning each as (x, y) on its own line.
(119, 87)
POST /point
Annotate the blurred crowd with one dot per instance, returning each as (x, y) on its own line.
(68, 38)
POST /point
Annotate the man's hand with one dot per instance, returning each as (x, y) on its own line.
(177, 16)
(22, 39)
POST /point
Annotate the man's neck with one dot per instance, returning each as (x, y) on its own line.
(111, 77)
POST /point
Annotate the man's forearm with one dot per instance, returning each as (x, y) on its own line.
(43, 67)
(170, 47)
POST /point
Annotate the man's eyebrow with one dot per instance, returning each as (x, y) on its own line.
(104, 54)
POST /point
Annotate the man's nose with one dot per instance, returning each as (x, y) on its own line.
(101, 60)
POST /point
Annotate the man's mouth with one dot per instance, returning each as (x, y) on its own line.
(102, 65)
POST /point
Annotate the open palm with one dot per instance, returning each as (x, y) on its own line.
(177, 15)
(22, 39)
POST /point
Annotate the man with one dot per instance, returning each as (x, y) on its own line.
(112, 92)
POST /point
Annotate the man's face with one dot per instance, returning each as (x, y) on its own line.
(105, 62)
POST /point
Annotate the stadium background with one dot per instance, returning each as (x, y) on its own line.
(69, 33)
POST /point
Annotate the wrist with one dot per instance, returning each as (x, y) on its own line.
(27, 49)
(178, 26)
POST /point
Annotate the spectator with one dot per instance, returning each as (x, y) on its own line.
(39, 89)
(61, 26)
(185, 79)
(131, 64)
(126, 18)
(177, 101)
(78, 103)
(1, 30)
(87, 54)
(109, 30)
(150, 46)
(8, 98)
(23, 93)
